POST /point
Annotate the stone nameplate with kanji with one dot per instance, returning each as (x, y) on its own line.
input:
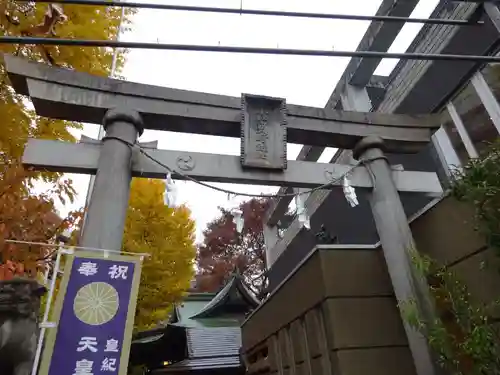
(263, 132)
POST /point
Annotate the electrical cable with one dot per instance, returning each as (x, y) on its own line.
(258, 12)
(250, 50)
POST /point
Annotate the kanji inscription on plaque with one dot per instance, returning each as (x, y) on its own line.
(263, 132)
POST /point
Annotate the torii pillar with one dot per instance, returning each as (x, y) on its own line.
(107, 211)
(397, 244)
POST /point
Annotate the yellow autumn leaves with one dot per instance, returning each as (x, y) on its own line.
(168, 235)
(152, 227)
(22, 18)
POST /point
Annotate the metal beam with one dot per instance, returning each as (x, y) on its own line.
(493, 13)
(412, 87)
(462, 131)
(83, 158)
(378, 37)
(355, 98)
(376, 89)
(487, 98)
(75, 96)
(271, 238)
(446, 153)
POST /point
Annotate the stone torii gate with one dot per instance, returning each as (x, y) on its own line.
(264, 124)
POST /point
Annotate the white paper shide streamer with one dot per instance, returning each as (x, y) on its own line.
(170, 196)
(349, 192)
(302, 215)
(238, 219)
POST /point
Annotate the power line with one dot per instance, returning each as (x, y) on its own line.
(251, 50)
(116, 3)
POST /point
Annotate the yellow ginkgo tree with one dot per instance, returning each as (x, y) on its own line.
(18, 208)
(25, 18)
(167, 234)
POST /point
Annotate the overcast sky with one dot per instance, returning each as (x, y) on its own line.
(301, 80)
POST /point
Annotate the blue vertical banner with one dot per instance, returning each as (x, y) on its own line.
(94, 313)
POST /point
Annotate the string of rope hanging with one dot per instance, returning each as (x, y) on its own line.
(169, 169)
(275, 13)
(250, 50)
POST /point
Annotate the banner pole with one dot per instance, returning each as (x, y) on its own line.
(48, 303)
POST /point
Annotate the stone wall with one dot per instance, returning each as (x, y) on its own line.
(335, 315)
(446, 233)
(336, 312)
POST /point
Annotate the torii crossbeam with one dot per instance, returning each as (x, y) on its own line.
(75, 96)
(83, 158)
(265, 125)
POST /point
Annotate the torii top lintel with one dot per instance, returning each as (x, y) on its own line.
(69, 95)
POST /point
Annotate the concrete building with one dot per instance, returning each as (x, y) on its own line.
(462, 92)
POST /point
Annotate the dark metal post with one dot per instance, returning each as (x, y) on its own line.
(107, 210)
(397, 243)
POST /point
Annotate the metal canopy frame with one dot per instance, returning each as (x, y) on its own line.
(378, 37)
(359, 73)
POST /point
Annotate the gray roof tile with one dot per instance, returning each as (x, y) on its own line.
(209, 348)
(213, 342)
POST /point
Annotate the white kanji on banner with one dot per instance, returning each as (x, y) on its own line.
(108, 364)
(117, 272)
(87, 343)
(111, 346)
(88, 269)
(83, 367)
